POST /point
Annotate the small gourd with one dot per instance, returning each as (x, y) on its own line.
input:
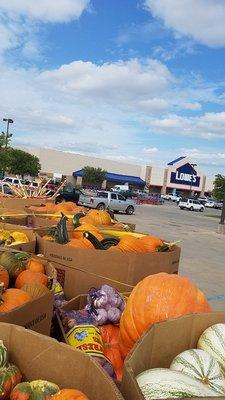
(3, 354)
(38, 389)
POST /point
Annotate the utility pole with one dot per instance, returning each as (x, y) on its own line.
(8, 135)
(193, 165)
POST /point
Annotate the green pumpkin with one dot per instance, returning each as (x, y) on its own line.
(10, 376)
(3, 354)
(35, 390)
(12, 263)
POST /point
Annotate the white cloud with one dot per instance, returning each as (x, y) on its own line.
(151, 150)
(208, 125)
(45, 10)
(202, 20)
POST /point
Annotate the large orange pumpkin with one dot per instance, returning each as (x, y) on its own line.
(69, 394)
(67, 206)
(129, 243)
(99, 217)
(35, 265)
(158, 298)
(80, 243)
(151, 243)
(29, 276)
(13, 298)
(78, 232)
(110, 338)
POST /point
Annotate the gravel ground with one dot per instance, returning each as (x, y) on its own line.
(203, 249)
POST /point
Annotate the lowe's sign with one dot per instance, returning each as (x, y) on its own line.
(185, 175)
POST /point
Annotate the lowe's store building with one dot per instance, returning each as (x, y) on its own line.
(181, 175)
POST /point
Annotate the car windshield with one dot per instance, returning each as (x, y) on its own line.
(102, 194)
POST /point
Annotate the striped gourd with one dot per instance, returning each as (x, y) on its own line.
(3, 354)
(202, 366)
(213, 342)
(162, 383)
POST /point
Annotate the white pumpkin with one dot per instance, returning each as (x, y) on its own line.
(213, 342)
(202, 366)
(162, 383)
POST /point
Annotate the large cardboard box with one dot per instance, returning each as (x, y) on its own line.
(15, 217)
(160, 344)
(37, 314)
(76, 281)
(29, 246)
(22, 204)
(40, 357)
(128, 268)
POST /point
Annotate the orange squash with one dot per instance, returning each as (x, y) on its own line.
(35, 265)
(28, 276)
(110, 338)
(99, 217)
(80, 244)
(158, 298)
(13, 298)
(4, 277)
(69, 394)
(131, 244)
(151, 243)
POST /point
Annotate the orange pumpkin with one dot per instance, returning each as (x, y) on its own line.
(69, 394)
(110, 338)
(65, 207)
(158, 298)
(80, 244)
(151, 243)
(35, 265)
(99, 217)
(78, 232)
(29, 276)
(4, 277)
(129, 243)
(13, 298)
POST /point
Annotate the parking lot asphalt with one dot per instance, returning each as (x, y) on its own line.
(203, 249)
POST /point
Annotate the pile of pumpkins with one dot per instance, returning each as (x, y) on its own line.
(88, 234)
(193, 373)
(22, 279)
(12, 387)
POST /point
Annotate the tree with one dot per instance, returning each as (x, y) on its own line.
(23, 163)
(219, 187)
(5, 161)
(93, 175)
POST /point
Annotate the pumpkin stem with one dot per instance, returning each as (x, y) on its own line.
(167, 246)
(76, 219)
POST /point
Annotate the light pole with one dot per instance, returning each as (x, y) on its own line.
(8, 136)
(193, 165)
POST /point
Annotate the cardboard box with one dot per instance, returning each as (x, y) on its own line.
(128, 268)
(76, 281)
(35, 315)
(22, 204)
(160, 344)
(15, 217)
(40, 357)
(29, 246)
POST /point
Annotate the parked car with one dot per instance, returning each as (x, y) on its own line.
(172, 197)
(104, 199)
(69, 194)
(218, 205)
(5, 189)
(202, 200)
(191, 204)
(12, 181)
(210, 204)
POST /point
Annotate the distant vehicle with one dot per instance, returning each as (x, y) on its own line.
(69, 194)
(118, 188)
(128, 194)
(12, 181)
(202, 200)
(210, 204)
(172, 197)
(191, 204)
(218, 205)
(104, 199)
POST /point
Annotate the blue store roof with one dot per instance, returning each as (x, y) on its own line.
(117, 178)
(176, 161)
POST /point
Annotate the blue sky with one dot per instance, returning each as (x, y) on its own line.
(132, 80)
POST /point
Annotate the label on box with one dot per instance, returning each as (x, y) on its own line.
(86, 338)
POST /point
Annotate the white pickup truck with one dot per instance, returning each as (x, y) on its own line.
(112, 200)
